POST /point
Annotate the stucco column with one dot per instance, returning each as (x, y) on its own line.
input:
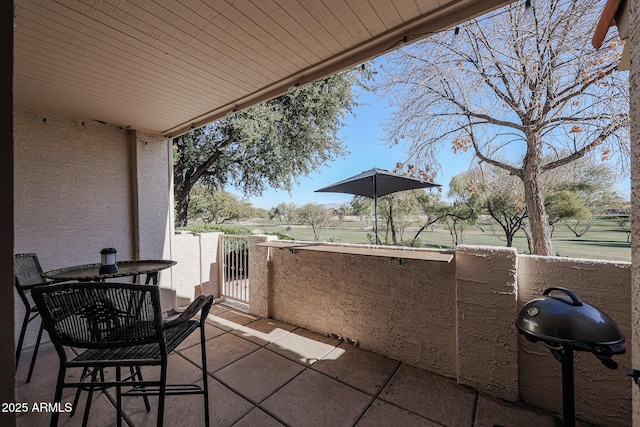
(153, 202)
(486, 301)
(259, 276)
(634, 89)
(152, 194)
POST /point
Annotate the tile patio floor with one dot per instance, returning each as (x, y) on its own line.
(263, 373)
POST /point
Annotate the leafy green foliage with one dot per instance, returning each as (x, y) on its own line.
(272, 143)
(217, 206)
(222, 228)
(314, 215)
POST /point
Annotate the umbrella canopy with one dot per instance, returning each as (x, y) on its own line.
(375, 183)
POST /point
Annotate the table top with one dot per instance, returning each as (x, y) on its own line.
(92, 271)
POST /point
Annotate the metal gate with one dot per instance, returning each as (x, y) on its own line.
(234, 262)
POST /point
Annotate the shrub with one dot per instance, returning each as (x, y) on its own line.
(209, 228)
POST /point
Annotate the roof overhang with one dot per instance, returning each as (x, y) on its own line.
(615, 12)
(166, 67)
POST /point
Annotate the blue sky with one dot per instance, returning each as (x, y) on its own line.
(363, 137)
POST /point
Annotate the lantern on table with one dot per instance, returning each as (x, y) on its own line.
(108, 261)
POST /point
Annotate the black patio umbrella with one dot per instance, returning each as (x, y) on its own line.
(375, 183)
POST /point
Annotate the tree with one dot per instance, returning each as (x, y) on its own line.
(217, 206)
(432, 210)
(272, 143)
(497, 194)
(362, 207)
(314, 215)
(463, 212)
(579, 193)
(286, 212)
(397, 210)
(521, 84)
(565, 205)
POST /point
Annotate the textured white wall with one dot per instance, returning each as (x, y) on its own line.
(73, 190)
(83, 186)
(197, 256)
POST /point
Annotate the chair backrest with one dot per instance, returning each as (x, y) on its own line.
(100, 315)
(27, 270)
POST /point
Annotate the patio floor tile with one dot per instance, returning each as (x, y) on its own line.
(364, 370)
(432, 396)
(303, 346)
(259, 374)
(491, 412)
(210, 331)
(313, 399)
(383, 414)
(221, 351)
(237, 317)
(225, 408)
(263, 331)
(256, 418)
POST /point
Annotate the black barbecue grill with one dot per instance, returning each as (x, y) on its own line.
(564, 324)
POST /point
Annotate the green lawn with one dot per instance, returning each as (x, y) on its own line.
(605, 240)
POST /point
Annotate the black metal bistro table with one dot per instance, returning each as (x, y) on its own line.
(91, 272)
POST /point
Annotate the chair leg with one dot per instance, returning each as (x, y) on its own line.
(57, 398)
(25, 322)
(78, 391)
(35, 352)
(87, 407)
(138, 373)
(205, 376)
(119, 396)
(161, 395)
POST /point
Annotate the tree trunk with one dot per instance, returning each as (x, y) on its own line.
(392, 225)
(536, 211)
(509, 239)
(182, 204)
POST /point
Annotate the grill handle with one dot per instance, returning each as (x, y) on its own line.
(574, 298)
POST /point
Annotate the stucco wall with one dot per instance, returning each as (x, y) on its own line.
(404, 311)
(81, 186)
(73, 189)
(456, 319)
(197, 257)
(486, 308)
(602, 395)
(73, 193)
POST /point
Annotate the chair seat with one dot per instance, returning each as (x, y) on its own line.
(136, 355)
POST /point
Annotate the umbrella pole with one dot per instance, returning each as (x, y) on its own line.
(375, 214)
(375, 207)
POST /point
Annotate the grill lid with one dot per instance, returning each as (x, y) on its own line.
(565, 319)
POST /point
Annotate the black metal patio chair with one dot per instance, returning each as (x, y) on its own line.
(119, 325)
(28, 272)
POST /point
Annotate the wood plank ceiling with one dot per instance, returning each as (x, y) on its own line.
(166, 66)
